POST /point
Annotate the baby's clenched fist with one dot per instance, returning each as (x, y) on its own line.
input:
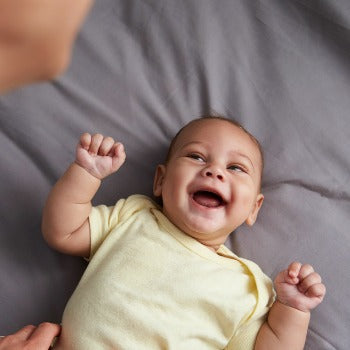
(300, 287)
(99, 155)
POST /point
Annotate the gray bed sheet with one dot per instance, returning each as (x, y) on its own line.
(140, 70)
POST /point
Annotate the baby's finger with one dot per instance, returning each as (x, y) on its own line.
(308, 281)
(284, 277)
(294, 270)
(118, 150)
(85, 140)
(316, 291)
(96, 141)
(118, 155)
(305, 271)
(106, 146)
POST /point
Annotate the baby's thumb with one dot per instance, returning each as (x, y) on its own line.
(118, 156)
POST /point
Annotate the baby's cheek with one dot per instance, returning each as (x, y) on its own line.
(245, 195)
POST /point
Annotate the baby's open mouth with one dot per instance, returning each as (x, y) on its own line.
(208, 199)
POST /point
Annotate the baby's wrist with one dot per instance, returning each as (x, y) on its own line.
(292, 306)
(86, 170)
(91, 172)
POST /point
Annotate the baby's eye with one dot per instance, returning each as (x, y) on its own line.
(196, 157)
(237, 168)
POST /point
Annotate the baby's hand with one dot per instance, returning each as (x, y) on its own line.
(99, 155)
(300, 287)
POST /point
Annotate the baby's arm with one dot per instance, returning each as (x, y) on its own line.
(65, 222)
(299, 290)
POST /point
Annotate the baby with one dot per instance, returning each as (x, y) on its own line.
(160, 277)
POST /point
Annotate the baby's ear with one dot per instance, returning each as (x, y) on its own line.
(158, 180)
(255, 210)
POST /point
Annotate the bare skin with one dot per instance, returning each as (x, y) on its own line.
(31, 337)
(66, 226)
(299, 290)
(36, 39)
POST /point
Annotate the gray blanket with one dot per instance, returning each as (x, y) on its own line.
(140, 70)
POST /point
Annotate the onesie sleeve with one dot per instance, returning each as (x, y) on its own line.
(244, 337)
(102, 220)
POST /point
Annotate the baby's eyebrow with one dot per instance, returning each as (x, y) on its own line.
(240, 154)
(192, 143)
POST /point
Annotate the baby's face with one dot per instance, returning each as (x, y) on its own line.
(210, 185)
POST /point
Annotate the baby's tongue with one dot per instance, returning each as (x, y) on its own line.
(207, 199)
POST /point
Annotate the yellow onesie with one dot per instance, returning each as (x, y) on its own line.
(150, 286)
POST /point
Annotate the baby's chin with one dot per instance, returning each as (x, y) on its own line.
(202, 225)
(208, 223)
(206, 233)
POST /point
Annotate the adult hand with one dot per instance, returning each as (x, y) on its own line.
(31, 338)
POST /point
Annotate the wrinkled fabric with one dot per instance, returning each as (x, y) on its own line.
(140, 70)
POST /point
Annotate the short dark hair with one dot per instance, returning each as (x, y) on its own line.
(222, 118)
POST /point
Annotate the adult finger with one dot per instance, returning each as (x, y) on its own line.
(43, 335)
(20, 337)
(25, 332)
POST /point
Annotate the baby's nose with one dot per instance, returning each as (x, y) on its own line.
(214, 172)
